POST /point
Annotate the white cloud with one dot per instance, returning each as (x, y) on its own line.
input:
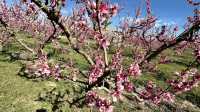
(161, 22)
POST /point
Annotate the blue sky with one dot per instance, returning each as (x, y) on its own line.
(167, 11)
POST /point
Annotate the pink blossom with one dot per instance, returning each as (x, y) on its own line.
(104, 105)
(120, 79)
(116, 60)
(168, 97)
(96, 70)
(104, 43)
(186, 82)
(92, 5)
(94, 16)
(149, 86)
(81, 39)
(56, 72)
(145, 94)
(114, 9)
(148, 6)
(128, 86)
(116, 95)
(134, 70)
(43, 67)
(81, 11)
(90, 98)
(53, 3)
(156, 100)
(94, 74)
(103, 8)
(155, 94)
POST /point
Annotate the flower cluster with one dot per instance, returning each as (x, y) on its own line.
(116, 60)
(162, 32)
(150, 21)
(25, 18)
(102, 41)
(134, 70)
(155, 94)
(41, 68)
(31, 8)
(96, 70)
(119, 87)
(103, 105)
(79, 18)
(148, 5)
(121, 83)
(56, 72)
(195, 19)
(101, 12)
(78, 26)
(187, 80)
(55, 3)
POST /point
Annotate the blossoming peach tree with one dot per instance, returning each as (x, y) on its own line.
(107, 79)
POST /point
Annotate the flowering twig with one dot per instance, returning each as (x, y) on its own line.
(180, 38)
(52, 16)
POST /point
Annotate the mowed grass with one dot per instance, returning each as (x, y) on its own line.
(20, 94)
(17, 94)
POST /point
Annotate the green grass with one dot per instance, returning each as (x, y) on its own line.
(19, 94)
(16, 93)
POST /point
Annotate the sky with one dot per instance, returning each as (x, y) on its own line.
(166, 11)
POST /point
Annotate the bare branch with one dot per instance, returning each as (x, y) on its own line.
(13, 34)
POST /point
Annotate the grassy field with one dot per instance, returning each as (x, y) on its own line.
(20, 94)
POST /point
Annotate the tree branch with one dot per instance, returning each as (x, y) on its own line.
(13, 34)
(22, 44)
(180, 38)
(52, 16)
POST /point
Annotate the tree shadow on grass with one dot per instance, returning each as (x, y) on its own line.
(62, 99)
(180, 63)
